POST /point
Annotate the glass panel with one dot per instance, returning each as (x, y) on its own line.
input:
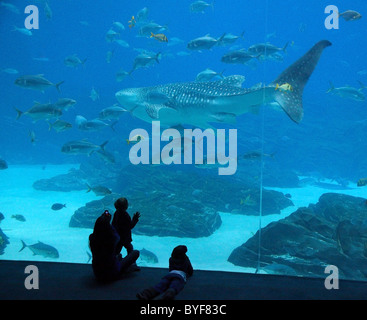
(282, 196)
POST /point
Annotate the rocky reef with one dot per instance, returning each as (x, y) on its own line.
(331, 232)
(172, 200)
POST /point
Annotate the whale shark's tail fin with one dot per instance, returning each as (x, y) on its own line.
(292, 81)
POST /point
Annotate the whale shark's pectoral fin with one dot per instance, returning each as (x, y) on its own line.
(297, 76)
(224, 117)
(153, 110)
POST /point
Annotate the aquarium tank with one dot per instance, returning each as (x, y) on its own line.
(236, 128)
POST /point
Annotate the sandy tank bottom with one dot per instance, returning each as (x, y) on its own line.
(52, 227)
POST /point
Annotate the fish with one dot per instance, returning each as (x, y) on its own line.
(272, 57)
(350, 15)
(122, 43)
(74, 61)
(208, 75)
(362, 182)
(228, 39)
(91, 125)
(113, 112)
(147, 29)
(40, 112)
(10, 7)
(109, 55)
(118, 26)
(238, 57)
(36, 82)
(132, 22)
(148, 256)
(64, 103)
(200, 6)
(197, 103)
(41, 249)
(32, 135)
(81, 147)
(58, 206)
(203, 43)
(174, 41)
(94, 95)
(142, 15)
(265, 49)
(99, 190)
(348, 92)
(18, 217)
(159, 36)
(284, 87)
(23, 31)
(145, 60)
(3, 164)
(10, 70)
(60, 125)
(112, 35)
(121, 75)
(1, 216)
(135, 139)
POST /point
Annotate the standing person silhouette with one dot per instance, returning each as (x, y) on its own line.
(123, 225)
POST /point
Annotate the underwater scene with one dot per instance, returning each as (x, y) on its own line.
(236, 128)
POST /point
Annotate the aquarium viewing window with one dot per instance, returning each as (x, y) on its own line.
(234, 128)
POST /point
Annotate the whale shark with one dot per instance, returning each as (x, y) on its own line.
(200, 103)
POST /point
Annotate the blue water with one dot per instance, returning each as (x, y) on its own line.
(63, 35)
(330, 139)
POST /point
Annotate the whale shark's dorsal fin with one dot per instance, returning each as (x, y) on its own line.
(297, 76)
(234, 81)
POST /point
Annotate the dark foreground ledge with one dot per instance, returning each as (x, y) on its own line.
(66, 281)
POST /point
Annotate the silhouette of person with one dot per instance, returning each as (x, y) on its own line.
(171, 284)
(123, 224)
(107, 263)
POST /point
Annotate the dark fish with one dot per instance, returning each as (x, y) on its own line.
(41, 249)
(64, 103)
(203, 43)
(288, 195)
(99, 190)
(59, 125)
(58, 206)
(266, 49)
(3, 164)
(239, 57)
(18, 217)
(36, 82)
(350, 15)
(81, 147)
(1, 216)
(40, 111)
(148, 256)
(145, 60)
